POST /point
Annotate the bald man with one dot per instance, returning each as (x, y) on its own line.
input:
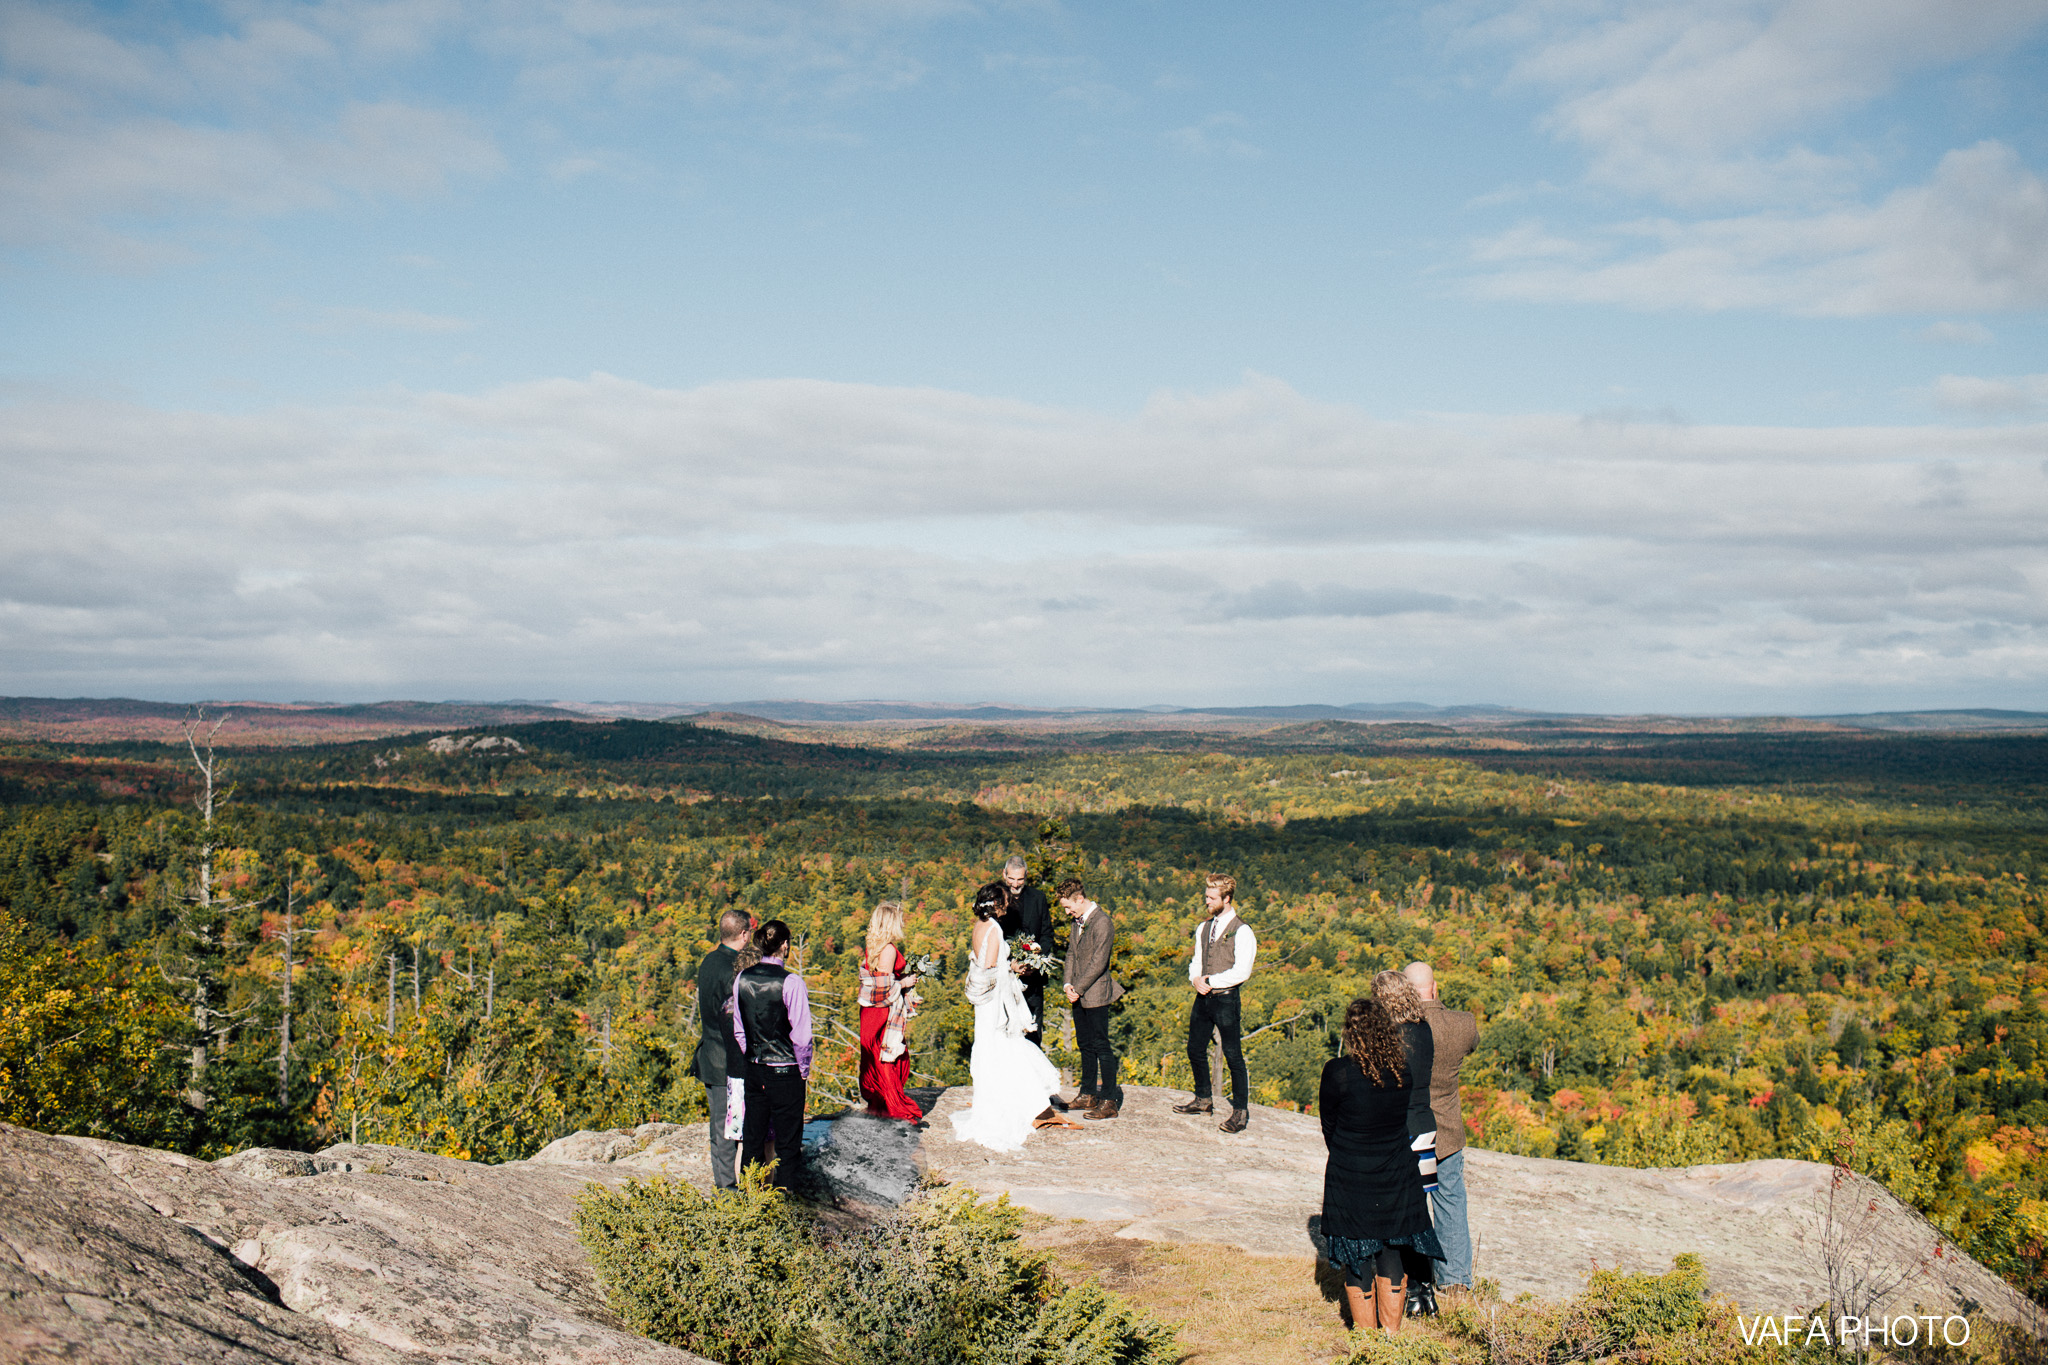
(1455, 1034)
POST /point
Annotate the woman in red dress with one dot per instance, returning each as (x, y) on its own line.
(887, 1001)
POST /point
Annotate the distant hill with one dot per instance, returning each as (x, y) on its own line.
(94, 720)
(1982, 718)
(89, 720)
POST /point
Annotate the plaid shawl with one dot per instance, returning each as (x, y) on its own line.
(888, 988)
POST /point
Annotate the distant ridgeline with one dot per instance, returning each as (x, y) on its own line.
(1684, 946)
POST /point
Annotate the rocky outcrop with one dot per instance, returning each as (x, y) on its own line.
(361, 1254)
(1538, 1226)
(383, 1256)
(475, 744)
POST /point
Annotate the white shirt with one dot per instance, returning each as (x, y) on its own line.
(1244, 943)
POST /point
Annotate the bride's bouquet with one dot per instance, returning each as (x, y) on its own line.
(927, 965)
(1026, 953)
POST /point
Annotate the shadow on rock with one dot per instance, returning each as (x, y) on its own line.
(863, 1160)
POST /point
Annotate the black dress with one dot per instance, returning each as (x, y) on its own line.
(1372, 1188)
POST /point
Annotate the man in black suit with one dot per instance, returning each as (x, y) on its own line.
(1031, 916)
(718, 1053)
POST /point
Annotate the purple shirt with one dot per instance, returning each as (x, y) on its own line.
(796, 998)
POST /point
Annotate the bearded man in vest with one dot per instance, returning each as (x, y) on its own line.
(1225, 949)
(771, 1022)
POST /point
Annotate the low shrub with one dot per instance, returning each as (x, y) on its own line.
(714, 1276)
(751, 1277)
(1627, 1319)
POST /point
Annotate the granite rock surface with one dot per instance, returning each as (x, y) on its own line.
(368, 1255)
(1538, 1226)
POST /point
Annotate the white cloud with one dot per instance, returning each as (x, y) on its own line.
(2014, 394)
(1958, 333)
(1973, 238)
(70, 168)
(801, 537)
(1690, 101)
(1743, 106)
(1216, 135)
(115, 125)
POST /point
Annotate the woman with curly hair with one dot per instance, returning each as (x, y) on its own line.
(1418, 1051)
(1373, 1202)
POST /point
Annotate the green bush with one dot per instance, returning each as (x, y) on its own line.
(714, 1276)
(1638, 1319)
(751, 1277)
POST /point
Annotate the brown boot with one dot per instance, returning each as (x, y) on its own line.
(1363, 1314)
(1391, 1298)
(1085, 1100)
(1200, 1104)
(1105, 1108)
(1236, 1123)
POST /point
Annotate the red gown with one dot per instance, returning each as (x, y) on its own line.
(882, 1083)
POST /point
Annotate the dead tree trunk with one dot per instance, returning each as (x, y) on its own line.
(198, 943)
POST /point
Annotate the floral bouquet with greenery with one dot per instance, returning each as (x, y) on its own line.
(1025, 953)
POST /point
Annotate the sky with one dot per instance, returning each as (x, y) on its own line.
(1683, 356)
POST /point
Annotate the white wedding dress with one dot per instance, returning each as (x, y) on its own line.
(1012, 1078)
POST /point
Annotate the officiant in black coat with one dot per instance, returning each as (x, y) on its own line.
(1028, 914)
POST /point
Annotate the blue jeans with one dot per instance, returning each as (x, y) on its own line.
(1447, 1207)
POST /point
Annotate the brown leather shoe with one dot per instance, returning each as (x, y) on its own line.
(1200, 1104)
(1239, 1120)
(1084, 1100)
(1105, 1108)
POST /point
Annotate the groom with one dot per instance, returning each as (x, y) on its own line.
(1091, 990)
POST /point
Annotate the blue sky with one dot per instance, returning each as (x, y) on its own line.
(1564, 353)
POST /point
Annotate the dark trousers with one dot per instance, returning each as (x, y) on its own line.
(775, 1109)
(1098, 1063)
(1034, 1000)
(1217, 1012)
(722, 1150)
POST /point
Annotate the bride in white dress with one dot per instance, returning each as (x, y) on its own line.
(1012, 1078)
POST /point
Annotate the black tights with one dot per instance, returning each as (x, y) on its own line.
(1386, 1265)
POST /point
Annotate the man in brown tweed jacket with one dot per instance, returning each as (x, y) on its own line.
(1091, 990)
(1455, 1034)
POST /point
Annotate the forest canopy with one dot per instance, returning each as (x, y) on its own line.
(1681, 948)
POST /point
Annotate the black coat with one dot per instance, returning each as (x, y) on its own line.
(1418, 1045)
(718, 1052)
(1030, 915)
(1371, 1186)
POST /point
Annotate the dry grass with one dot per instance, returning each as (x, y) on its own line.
(1232, 1308)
